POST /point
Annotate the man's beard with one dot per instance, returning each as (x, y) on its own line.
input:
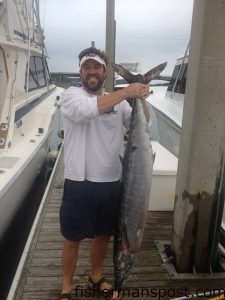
(93, 88)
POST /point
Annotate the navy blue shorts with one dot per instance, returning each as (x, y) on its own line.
(88, 209)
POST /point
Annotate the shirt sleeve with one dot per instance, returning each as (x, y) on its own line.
(78, 106)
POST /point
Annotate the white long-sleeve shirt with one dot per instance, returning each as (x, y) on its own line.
(93, 142)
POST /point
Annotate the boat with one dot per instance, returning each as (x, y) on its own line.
(167, 111)
(28, 104)
(167, 114)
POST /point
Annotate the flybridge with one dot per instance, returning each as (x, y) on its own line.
(20, 23)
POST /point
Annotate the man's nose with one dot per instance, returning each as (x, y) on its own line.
(92, 70)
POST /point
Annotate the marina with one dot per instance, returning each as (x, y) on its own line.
(182, 254)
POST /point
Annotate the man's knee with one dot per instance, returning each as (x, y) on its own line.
(104, 238)
(73, 245)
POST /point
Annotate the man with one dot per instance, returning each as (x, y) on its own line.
(93, 140)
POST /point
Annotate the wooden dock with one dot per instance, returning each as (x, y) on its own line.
(41, 273)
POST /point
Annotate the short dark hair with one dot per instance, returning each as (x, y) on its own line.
(94, 51)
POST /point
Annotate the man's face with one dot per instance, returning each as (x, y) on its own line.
(92, 75)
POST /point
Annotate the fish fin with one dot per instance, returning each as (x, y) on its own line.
(150, 75)
(121, 159)
(127, 75)
(125, 137)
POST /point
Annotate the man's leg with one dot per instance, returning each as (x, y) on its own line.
(69, 261)
(98, 252)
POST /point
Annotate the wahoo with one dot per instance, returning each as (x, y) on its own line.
(136, 183)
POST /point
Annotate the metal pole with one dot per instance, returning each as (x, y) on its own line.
(200, 182)
(110, 43)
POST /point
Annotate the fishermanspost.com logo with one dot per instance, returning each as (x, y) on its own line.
(143, 292)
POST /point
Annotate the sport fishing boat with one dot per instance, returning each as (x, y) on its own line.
(167, 113)
(166, 108)
(28, 104)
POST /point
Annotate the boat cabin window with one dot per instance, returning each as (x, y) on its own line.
(47, 73)
(3, 80)
(37, 73)
(40, 71)
(181, 82)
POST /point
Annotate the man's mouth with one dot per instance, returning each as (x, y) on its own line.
(92, 78)
(93, 83)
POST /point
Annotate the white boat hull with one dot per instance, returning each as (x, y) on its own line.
(20, 164)
(13, 195)
(163, 179)
(168, 132)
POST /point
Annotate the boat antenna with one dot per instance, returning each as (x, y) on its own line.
(186, 52)
(29, 40)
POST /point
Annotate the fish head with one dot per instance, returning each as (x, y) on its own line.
(122, 256)
(123, 264)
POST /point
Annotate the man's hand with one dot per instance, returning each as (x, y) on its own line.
(142, 91)
(137, 90)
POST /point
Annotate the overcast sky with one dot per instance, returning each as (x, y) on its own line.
(147, 31)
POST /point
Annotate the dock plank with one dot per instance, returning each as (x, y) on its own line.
(41, 275)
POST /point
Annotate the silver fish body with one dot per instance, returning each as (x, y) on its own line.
(136, 187)
(136, 183)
